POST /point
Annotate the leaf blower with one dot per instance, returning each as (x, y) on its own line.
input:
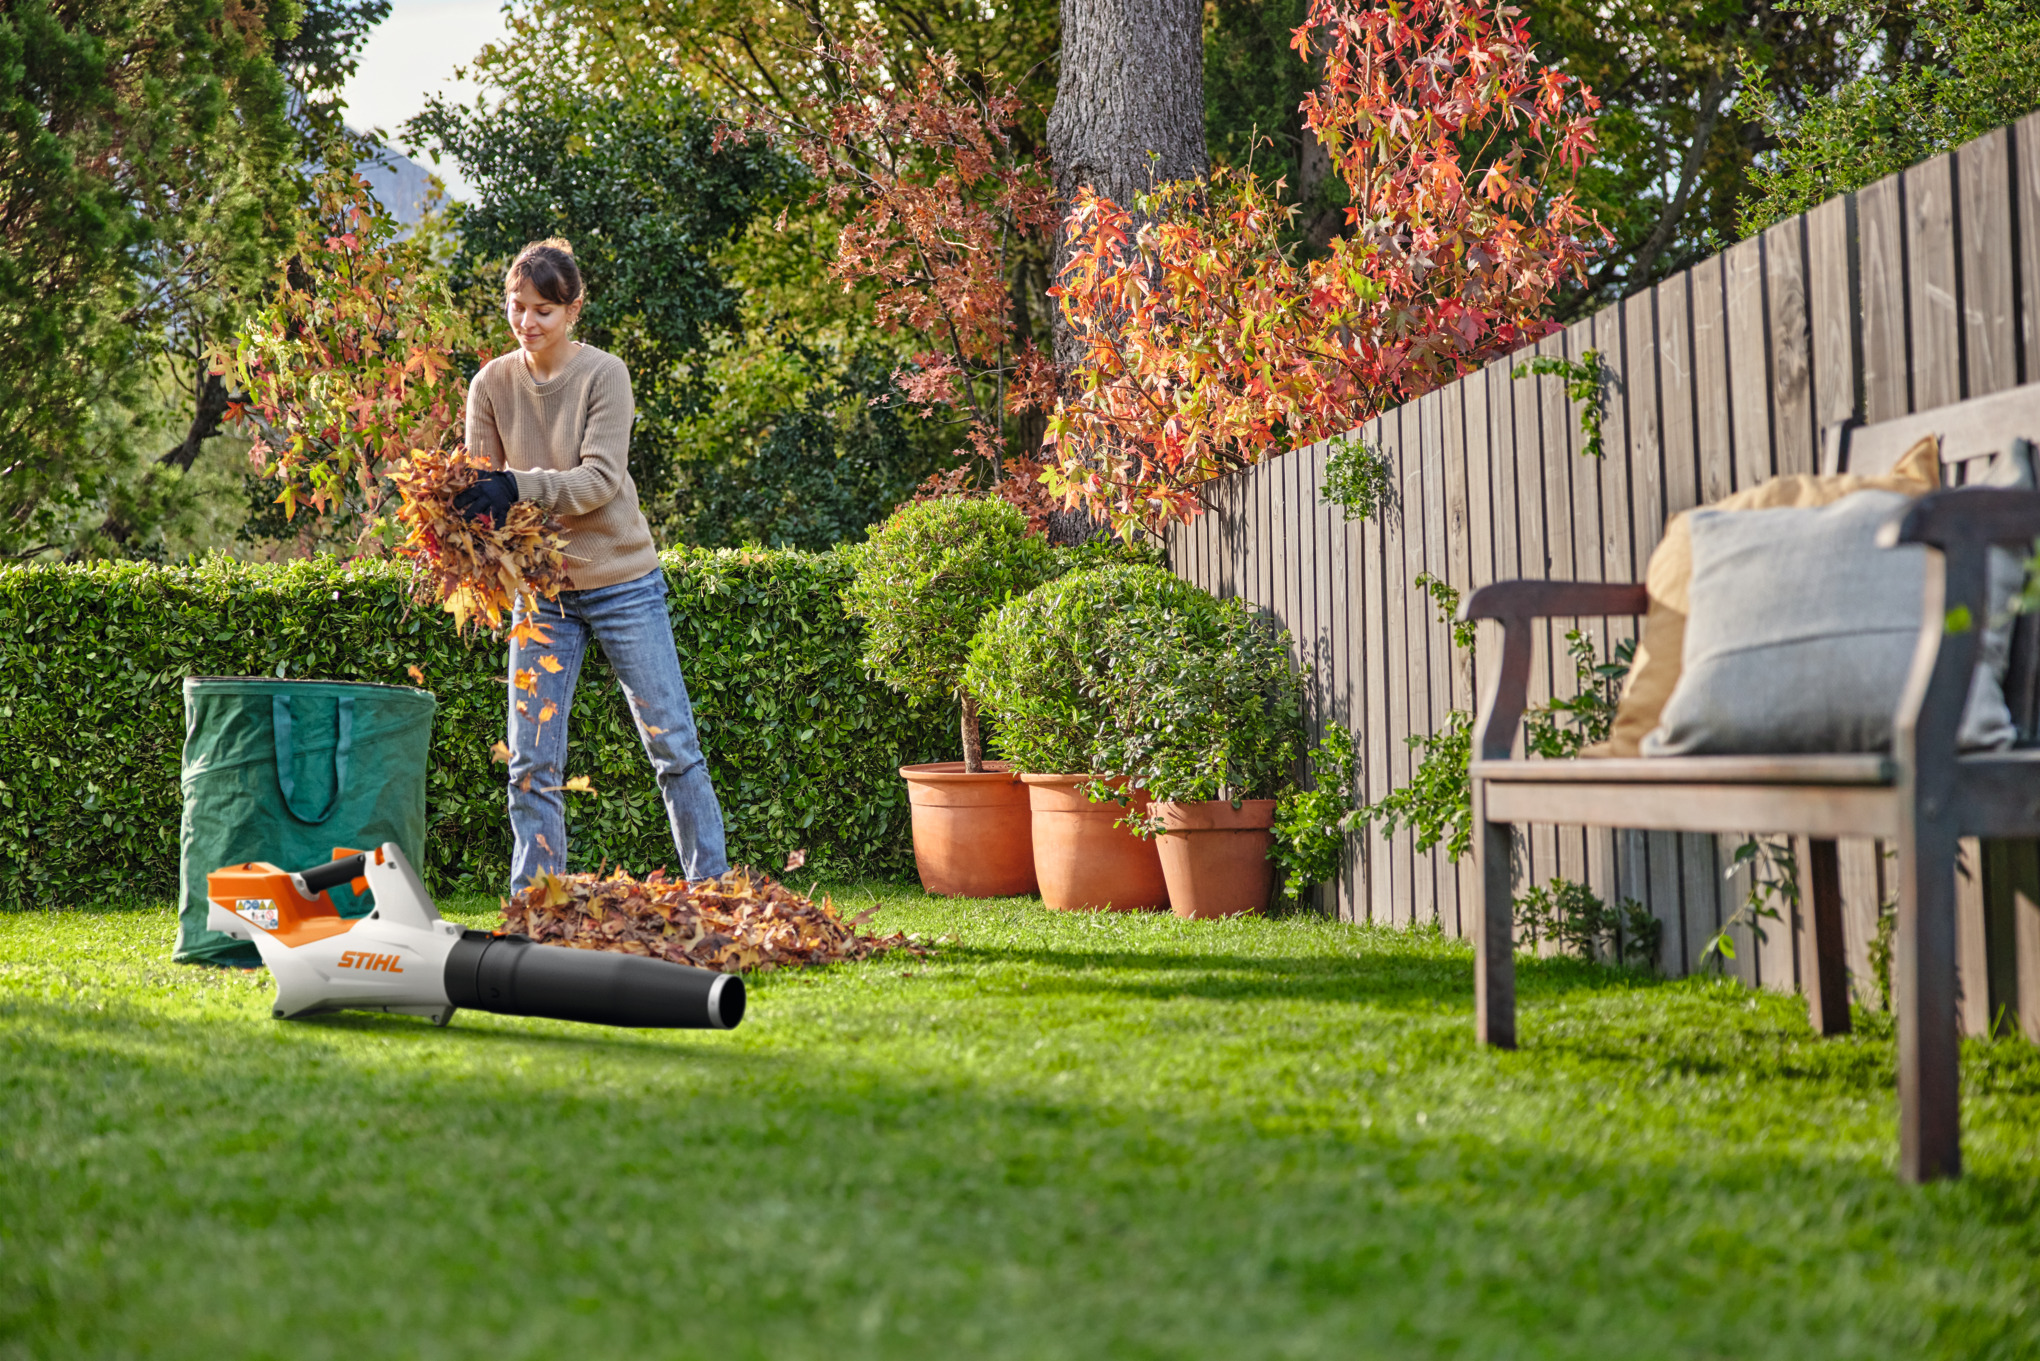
(404, 957)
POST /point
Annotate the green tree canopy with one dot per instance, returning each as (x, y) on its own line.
(1931, 75)
(145, 182)
(635, 180)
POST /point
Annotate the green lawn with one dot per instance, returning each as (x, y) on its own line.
(1065, 1136)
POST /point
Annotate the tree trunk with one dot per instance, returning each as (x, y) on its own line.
(973, 743)
(1129, 107)
(1129, 114)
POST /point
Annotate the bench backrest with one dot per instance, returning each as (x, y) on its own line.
(1971, 433)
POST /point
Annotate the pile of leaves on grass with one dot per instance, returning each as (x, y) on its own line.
(477, 571)
(738, 923)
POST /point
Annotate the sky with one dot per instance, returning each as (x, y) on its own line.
(412, 54)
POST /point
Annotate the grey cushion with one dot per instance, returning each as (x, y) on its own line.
(1801, 634)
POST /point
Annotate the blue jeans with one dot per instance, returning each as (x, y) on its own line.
(630, 621)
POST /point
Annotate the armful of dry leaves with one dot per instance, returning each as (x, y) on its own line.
(732, 924)
(477, 571)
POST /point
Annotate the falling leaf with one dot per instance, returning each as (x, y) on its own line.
(655, 732)
(543, 844)
(577, 785)
(525, 680)
(500, 751)
(545, 714)
(551, 663)
(417, 676)
(528, 630)
(794, 862)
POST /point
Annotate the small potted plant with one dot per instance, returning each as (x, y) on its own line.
(923, 581)
(1204, 710)
(1036, 665)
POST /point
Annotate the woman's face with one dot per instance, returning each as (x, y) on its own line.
(539, 324)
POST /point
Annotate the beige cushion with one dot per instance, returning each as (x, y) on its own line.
(1655, 671)
(1801, 632)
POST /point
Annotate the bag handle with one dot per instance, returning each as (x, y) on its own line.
(280, 719)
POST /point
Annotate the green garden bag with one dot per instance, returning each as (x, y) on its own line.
(285, 771)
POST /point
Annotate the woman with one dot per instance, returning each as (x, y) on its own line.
(555, 416)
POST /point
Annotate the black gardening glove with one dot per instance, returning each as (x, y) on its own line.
(492, 495)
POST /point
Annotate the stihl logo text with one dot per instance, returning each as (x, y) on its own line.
(361, 959)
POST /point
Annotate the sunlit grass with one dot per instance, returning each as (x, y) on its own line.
(1061, 1136)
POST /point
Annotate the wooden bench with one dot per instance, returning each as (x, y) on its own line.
(1922, 797)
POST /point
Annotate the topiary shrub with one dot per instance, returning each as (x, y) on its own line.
(1200, 701)
(1037, 665)
(925, 579)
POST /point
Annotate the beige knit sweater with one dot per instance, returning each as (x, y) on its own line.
(567, 442)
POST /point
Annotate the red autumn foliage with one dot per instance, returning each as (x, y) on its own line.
(1208, 345)
(938, 202)
(350, 377)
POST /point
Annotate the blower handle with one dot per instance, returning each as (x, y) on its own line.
(334, 872)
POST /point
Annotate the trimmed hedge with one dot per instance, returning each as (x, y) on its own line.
(803, 747)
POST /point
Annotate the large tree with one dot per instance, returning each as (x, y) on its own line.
(631, 176)
(1679, 131)
(1928, 75)
(143, 182)
(1129, 108)
(152, 164)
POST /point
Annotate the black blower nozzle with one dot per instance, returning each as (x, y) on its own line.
(514, 976)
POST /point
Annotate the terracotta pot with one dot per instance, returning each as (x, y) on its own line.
(973, 835)
(1083, 862)
(1215, 856)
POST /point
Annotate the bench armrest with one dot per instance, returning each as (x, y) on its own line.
(1506, 600)
(1966, 515)
(1958, 528)
(1516, 604)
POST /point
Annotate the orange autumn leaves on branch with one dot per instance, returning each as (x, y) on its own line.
(938, 202)
(1208, 345)
(350, 377)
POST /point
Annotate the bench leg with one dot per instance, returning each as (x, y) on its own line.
(1923, 997)
(1823, 961)
(1494, 936)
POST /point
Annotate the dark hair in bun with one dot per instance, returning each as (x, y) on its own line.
(548, 266)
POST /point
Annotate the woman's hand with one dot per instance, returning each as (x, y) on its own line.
(491, 496)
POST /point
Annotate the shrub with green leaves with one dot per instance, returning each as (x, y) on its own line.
(1036, 664)
(1199, 700)
(924, 581)
(1573, 917)
(1311, 824)
(802, 746)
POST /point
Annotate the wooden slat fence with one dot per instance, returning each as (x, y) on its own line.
(1916, 291)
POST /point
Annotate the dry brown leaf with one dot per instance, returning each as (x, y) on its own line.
(417, 676)
(545, 714)
(794, 862)
(737, 922)
(480, 573)
(577, 785)
(551, 664)
(500, 751)
(526, 681)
